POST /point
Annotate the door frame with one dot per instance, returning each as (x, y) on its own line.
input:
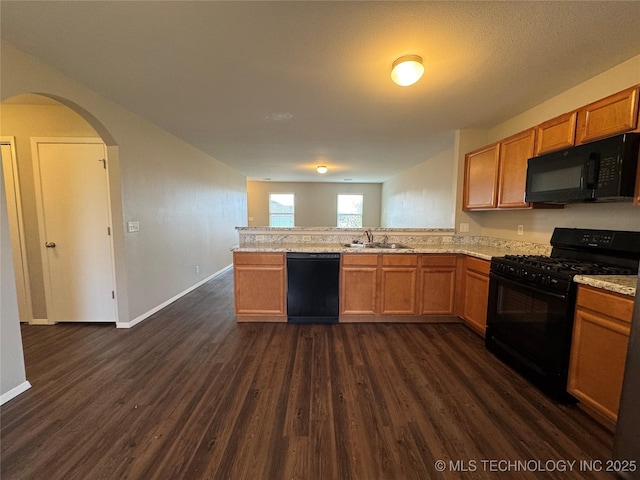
(16, 231)
(41, 219)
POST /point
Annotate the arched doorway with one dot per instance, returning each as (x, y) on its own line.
(42, 133)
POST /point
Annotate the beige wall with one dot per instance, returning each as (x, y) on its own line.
(539, 224)
(315, 203)
(12, 370)
(423, 196)
(24, 122)
(187, 202)
(417, 197)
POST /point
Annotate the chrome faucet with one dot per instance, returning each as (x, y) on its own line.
(369, 235)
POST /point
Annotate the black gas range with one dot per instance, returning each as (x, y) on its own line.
(532, 300)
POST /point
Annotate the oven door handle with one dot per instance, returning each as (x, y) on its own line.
(526, 285)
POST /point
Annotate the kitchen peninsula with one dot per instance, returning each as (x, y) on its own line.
(440, 277)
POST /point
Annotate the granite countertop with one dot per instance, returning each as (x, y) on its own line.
(623, 284)
(479, 251)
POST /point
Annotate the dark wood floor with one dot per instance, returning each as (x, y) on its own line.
(190, 394)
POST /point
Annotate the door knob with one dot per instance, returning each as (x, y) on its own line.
(50, 245)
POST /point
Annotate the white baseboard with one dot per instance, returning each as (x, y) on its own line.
(14, 392)
(41, 321)
(146, 315)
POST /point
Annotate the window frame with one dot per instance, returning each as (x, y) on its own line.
(338, 214)
(282, 215)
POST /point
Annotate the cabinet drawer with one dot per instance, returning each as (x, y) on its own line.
(478, 265)
(360, 259)
(400, 259)
(249, 258)
(429, 260)
(608, 303)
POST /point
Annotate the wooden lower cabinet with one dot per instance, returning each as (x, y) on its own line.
(398, 280)
(476, 293)
(259, 287)
(599, 351)
(397, 288)
(359, 284)
(437, 293)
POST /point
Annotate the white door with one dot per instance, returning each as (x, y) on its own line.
(16, 227)
(72, 186)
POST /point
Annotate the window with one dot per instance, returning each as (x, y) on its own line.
(350, 211)
(281, 209)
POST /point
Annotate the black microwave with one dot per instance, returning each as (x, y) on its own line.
(604, 170)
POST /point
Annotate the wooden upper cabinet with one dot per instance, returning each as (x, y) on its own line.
(514, 153)
(614, 114)
(556, 134)
(481, 178)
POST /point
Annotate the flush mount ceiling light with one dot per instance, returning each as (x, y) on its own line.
(321, 169)
(407, 70)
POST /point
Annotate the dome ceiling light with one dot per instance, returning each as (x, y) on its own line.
(321, 169)
(407, 70)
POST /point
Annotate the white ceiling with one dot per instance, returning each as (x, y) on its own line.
(220, 74)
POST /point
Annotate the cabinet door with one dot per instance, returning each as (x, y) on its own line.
(617, 113)
(556, 134)
(476, 293)
(481, 178)
(398, 290)
(358, 287)
(437, 290)
(599, 351)
(259, 290)
(259, 286)
(514, 153)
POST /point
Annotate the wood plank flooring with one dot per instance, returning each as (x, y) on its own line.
(191, 394)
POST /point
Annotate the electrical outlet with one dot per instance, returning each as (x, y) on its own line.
(133, 226)
(306, 238)
(197, 268)
(520, 229)
(464, 227)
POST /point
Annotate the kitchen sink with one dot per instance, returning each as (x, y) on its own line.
(389, 245)
(377, 245)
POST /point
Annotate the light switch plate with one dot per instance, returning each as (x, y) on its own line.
(464, 227)
(133, 226)
(520, 229)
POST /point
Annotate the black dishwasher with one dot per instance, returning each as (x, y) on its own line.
(312, 287)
